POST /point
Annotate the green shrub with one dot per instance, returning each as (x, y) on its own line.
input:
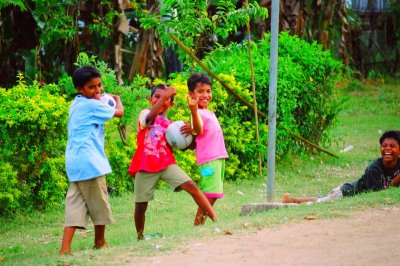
(119, 156)
(307, 102)
(9, 192)
(121, 133)
(33, 138)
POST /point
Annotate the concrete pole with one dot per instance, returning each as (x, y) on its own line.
(272, 100)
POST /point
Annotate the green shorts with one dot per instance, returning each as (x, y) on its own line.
(88, 198)
(145, 182)
(212, 178)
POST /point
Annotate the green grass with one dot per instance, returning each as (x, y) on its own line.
(34, 238)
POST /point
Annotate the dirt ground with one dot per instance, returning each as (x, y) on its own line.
(366, 238)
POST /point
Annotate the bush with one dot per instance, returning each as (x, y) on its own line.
(32, 145)
(9, 192)
(307, 102)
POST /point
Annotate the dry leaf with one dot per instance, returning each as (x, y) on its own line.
(227, 232)
(246, 224)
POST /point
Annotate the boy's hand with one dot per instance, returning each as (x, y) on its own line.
(197, 122)
(193, 103)
(119, 109)
(186, 129)
(169, 92)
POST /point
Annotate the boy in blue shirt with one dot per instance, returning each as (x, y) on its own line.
(85, 160)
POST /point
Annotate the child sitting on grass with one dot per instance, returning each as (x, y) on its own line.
(154, 159)
(380, 174)
(85, 160)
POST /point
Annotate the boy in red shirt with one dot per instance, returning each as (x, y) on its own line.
(154, 159)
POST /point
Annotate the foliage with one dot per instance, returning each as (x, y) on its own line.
(57, 21)
(32, 144)
(19, 3)
(190, 22)
(9, 192)
(120, 149)
(307, 102)
(119, 156)
(52, 22)
(46, 35)
(318, 103)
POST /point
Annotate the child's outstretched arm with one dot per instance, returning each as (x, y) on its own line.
(197, 122)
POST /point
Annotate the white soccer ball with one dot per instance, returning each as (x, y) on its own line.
(175, 138)
(108, 99)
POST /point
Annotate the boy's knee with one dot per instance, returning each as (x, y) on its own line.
(189, 186)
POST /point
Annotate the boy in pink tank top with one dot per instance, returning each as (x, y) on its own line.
(210, 145)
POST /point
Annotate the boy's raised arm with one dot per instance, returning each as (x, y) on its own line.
(197, 122)
(165, 95)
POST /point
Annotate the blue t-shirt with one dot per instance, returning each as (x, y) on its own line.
(85, 157)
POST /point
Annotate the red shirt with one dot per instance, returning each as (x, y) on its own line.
(153, 153)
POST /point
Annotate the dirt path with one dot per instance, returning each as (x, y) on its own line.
(367, 238)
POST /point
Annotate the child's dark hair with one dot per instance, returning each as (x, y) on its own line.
(83, 75)
(198, 78)
(391, 134)
(160, 87)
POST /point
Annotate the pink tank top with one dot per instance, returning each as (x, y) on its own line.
(210, 145)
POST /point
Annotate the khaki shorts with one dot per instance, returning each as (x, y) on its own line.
(88, 198)
(145, 182)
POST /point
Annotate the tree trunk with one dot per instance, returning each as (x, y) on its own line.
(148, 60)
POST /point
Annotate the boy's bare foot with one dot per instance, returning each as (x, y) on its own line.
(140, 236)
(65, 252)
(287, 198)
(99, 245)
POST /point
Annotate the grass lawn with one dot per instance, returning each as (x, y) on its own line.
(34, 238)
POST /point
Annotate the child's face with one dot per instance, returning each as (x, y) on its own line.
(390, 150)
(203, 93)
(156, 97)
(92, 89)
